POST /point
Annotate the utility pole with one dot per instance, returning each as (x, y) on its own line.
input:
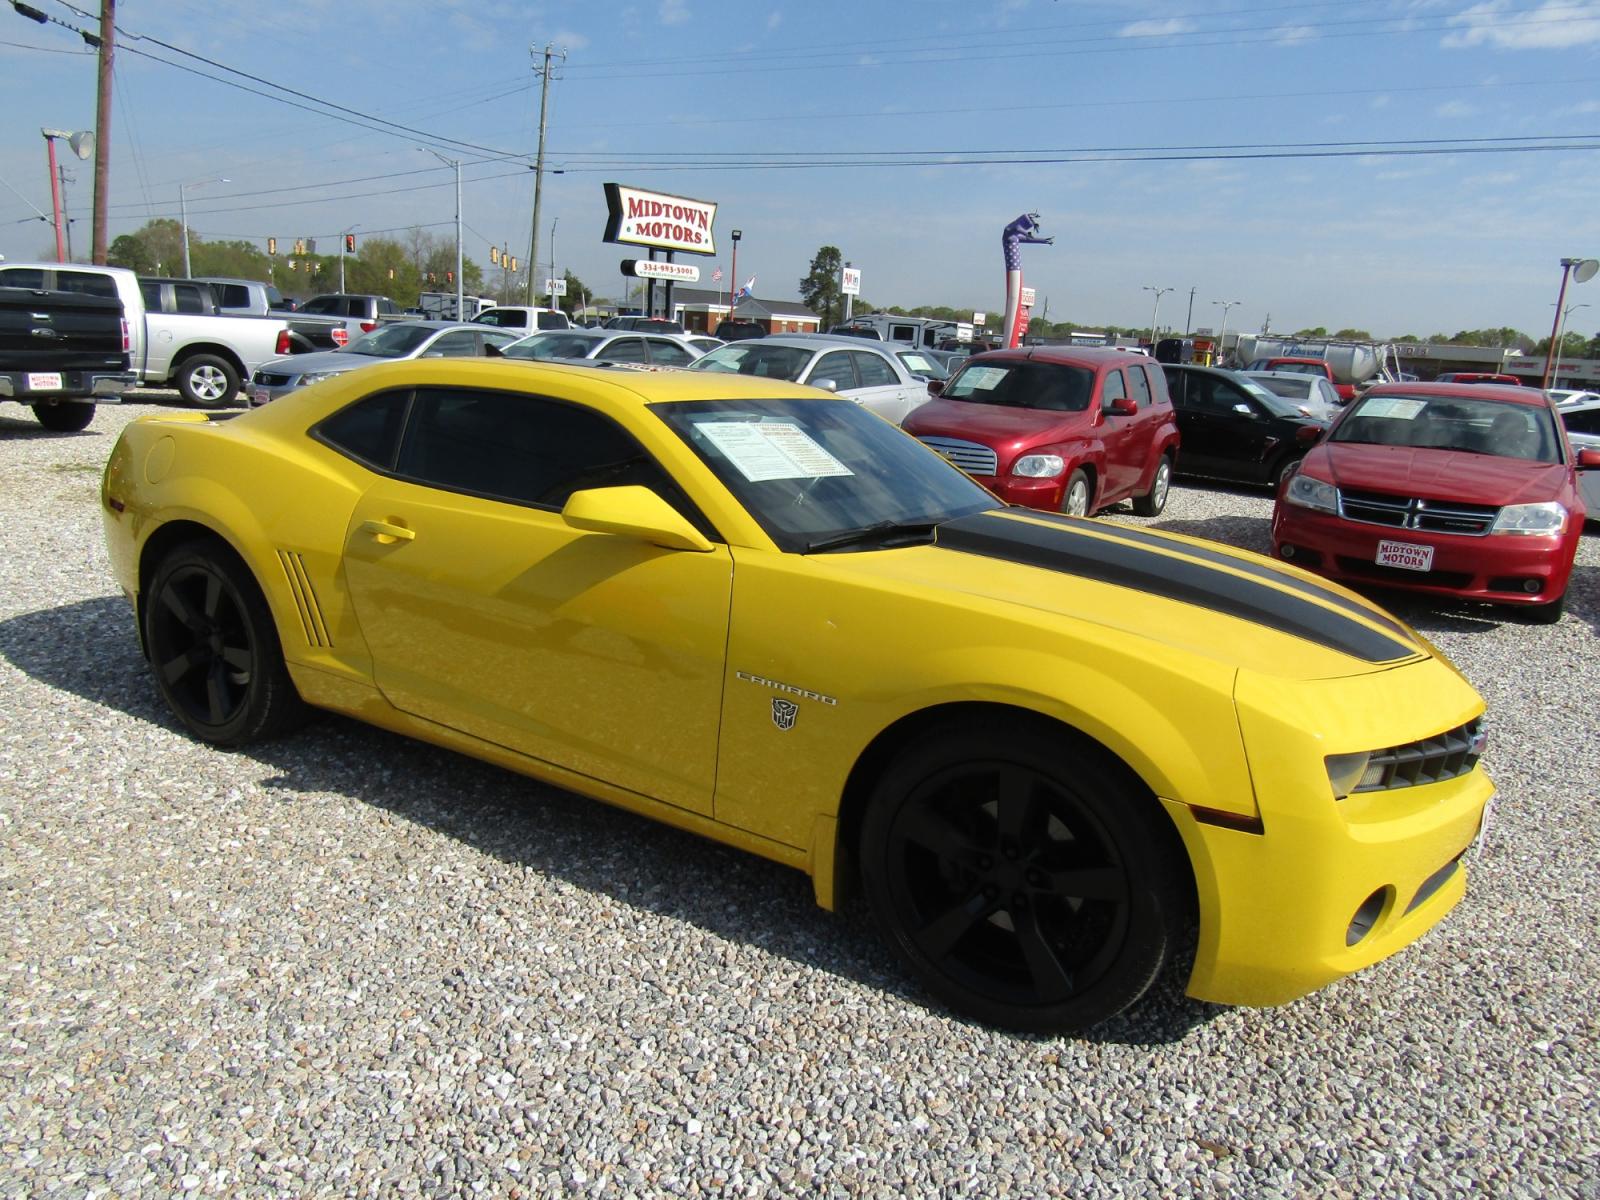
(538, 169)
(102, 130)
(1188, 322)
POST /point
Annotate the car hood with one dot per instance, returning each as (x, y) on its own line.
(1432, 474)
(1104, 584)
(999, 426)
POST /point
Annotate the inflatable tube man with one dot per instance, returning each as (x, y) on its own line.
(1019, 231)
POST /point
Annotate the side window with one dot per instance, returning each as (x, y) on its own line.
(368, 430)
(834, 365)
(233, 295)
(872, 370)
(625, 349)
(386, 307)
(1112, 389)
(191, 299)
(553, 321)
(498, 339)
(87, 283)
(458, 343)
(22, 277)
(1139, 386)
(500, 320)
(1587, 421)
(151, 293)
(668, 354)
(1176, 382)
(513, 447)
(1205, 395)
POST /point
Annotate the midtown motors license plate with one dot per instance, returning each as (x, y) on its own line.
(44, 381)
(1405, 555)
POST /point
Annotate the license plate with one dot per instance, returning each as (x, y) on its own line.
(1405, 555)
(259, 395)
(44, 381)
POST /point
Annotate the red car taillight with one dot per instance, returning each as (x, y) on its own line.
(368, 326)
(284, 346)
(127, 338)
(341, 336)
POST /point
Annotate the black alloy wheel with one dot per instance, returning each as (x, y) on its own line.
(214, 649)
(1024, 881)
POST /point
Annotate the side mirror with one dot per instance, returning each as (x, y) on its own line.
(633, 512)
(1588, 459)
(935, 387)
(1244, 410)
(827, 385)
(1124, 406)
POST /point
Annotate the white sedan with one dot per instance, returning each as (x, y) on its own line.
(850, 367)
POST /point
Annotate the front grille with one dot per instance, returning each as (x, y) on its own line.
(969, 456)
(1400, 576)
(1409, 512)
(269, 379)
(1432, 760)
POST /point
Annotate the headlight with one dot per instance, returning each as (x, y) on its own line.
(1311, 493)
(1039, 466)
(1348, 772)
(1548, 517)
(305, 379)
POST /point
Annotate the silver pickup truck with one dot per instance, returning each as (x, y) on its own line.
(202, 354)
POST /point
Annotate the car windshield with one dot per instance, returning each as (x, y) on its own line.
(1493, 427)
(760, 358)
(390, 341)
(1293, 368)
(921, 364)
(552, 345)
(813, 471)
(1043, 385)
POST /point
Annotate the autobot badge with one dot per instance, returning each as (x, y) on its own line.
(783, 713)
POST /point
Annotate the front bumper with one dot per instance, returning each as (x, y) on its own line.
(1326, 887)
(98, 387)
(1045, 494)
(1504, 568)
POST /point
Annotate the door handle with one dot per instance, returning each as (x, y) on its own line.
(386, 532)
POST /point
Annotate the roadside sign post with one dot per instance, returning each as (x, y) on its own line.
(850, 285)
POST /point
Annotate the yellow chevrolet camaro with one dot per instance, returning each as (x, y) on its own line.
(1054, 753)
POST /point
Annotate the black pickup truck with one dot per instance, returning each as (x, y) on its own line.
(61, 353)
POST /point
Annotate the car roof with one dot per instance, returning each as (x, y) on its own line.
(830, 339)
(1069, 356)
(429, 324)
(1513, 393)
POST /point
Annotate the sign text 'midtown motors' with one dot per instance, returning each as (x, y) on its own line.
(643, 218)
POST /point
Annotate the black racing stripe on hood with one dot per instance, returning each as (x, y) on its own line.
(1259, 569)
(1126, 565)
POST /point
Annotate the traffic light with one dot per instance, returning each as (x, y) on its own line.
(449, 276)
(494, 256)
(431, 278)
(299, 246)
(391, 272)
(349, 243)
(272, 246)
(513, 264)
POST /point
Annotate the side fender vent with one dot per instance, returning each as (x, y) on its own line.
(305, 599)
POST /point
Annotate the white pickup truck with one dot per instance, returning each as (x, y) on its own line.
(201, 354)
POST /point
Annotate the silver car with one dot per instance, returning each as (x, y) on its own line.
(1313, 393)
(607, 345)
(860, 370)
(278, 377)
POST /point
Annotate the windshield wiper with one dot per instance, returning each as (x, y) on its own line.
(884, 534)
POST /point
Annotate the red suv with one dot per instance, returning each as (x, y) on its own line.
(1062, 429)
(1460, 489)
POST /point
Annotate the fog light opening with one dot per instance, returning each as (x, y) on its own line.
(1286, 550)
(1531, 586)
(1368, 915)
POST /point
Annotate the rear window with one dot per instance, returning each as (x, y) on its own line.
(552, 345)
(1051, 386)
(761, 358)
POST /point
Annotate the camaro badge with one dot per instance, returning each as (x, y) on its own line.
(784, 712)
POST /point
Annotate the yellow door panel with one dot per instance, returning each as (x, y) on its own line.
(596, 652)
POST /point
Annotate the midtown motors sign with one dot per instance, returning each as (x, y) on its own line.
(654, 219)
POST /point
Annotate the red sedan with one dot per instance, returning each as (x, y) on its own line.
(1066, 430)
(1466, 490)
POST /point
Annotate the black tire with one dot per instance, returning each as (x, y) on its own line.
(207, 381)
(1152, 502)
(65, 416)
(214, 648)
(1542, 614)
(1077, 488)
(978, 847)
(1283, 470)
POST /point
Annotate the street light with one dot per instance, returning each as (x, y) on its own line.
(344, 238)
(1156, 308)
(1224, 305)
(456, 163)
(1561, 336)
(1581, 270)
(183, 212)
(82, 144)
(733, 273)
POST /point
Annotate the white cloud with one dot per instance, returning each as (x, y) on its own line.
(1554, 25)
(1157, 28)
(1379, 102)
(774, 19)
(1293, 35)
(674, 12)
(569, 39)
(1454, 108)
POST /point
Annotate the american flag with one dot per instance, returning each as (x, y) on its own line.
(716, 276)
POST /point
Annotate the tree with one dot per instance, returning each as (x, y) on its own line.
(1353, 335)
(1316, 331)
(819, 290)
(156, 249)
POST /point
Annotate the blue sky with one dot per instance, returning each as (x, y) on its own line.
(685, 96)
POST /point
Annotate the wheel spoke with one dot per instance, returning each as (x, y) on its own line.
(1050, 978)
(939, 936)
(1015, 803)
(1089, 883)
(178, 604)
(213, 596)
(216, 693)
(237, 657)
(177, 667)
(933, 832)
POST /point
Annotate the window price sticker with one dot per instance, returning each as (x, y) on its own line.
(771, 450)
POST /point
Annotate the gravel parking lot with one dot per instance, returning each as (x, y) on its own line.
(349, 964)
